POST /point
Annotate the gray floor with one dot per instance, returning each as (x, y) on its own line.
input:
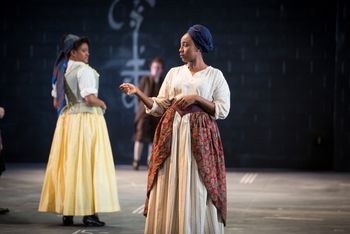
(259, 201)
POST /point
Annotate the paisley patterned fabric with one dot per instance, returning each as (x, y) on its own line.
(206, 147)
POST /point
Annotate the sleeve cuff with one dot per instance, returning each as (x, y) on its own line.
(88, 91)
(220, 111)
(153, 109)
(53, 93)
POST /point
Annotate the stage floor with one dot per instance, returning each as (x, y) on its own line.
(259, 202)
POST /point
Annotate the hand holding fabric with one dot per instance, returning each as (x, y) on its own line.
(185, 101)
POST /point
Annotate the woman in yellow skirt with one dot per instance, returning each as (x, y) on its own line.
(80, 175)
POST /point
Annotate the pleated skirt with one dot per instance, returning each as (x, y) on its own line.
(80, 175)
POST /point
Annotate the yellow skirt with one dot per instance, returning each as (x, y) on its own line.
(80, 175)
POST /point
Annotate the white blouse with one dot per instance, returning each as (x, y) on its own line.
(85, 76)
(208, 83)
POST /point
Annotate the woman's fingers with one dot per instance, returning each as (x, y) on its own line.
(182, 103)
(123, 86)
(179, 101)
(185, 105)
(127, 88)
(185, 102)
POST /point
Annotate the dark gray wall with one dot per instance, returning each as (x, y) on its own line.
(290, 95)
(342, 88)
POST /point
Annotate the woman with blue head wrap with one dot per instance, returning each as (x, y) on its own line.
(186, 189)
(80, 175)
(201, 37)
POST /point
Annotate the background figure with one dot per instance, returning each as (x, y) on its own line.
(2, 161)
(145, 124)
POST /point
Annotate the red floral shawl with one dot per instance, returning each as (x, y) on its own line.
(206, 148)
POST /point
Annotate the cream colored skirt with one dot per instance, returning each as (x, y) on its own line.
(178, 201)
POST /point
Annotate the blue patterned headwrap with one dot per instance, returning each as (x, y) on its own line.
(60, 67)
(201, 37)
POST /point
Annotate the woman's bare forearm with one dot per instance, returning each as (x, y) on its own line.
(208, 106)
(145, 99)
(55, 103)
(92, 100)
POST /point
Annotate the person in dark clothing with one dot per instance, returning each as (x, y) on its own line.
(2, 162)
(145, 125)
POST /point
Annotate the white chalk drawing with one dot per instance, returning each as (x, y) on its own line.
(133, 67)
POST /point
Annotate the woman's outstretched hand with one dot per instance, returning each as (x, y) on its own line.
(128, 89)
